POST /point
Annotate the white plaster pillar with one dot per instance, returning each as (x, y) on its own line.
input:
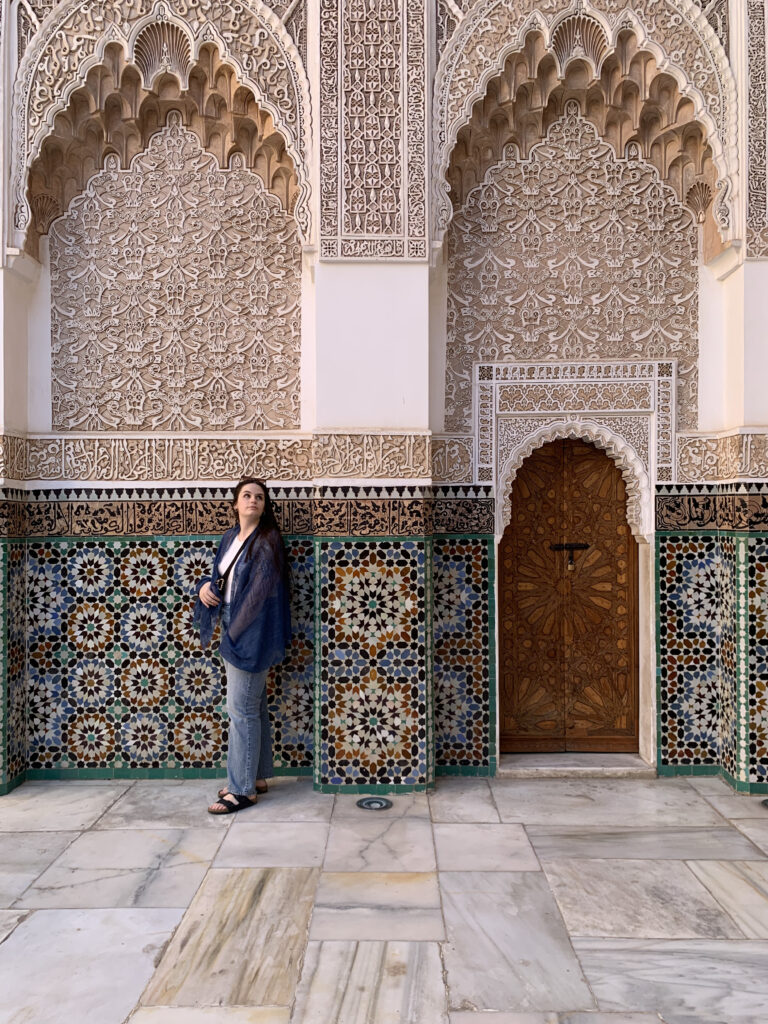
(372, 346)
(18, 279)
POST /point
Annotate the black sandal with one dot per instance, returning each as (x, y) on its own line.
(260, 791)
(239, 804)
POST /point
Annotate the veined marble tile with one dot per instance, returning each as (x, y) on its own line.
(167, 803)
(741, 888)
(250, 844)
(636, 899)
(241, 941)
(458, 799)
(609, 1018)
(602, 803)
(372, 905)
(483, 848)
(9, 919)
(133, 868)
(211, 1015)
(88, 966)
(686, 982)
(470, 1017)
(371, 983)
(24, 855)
(507, 946)
(404, 805)
(728, 801)
(756, 830)
(58, 806)
(715, 843)
(290, 800)
(379, 843)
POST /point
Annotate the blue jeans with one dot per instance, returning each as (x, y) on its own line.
(250, 743)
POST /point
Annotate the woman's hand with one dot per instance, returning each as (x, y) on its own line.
(207, 596)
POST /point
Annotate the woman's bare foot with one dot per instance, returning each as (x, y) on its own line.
(231, 802)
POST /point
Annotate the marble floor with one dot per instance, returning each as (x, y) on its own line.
(618, 900)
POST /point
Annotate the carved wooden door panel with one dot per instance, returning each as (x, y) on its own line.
(568, 617)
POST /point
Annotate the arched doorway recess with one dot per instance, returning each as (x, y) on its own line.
(568, 604)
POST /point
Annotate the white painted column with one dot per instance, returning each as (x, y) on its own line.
(372, 346)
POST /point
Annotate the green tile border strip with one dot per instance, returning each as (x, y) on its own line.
(741, 539)
(126, 774)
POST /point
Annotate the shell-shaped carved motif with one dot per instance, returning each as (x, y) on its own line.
(45, 209)
(163, 46)
(579, 36)
(697, 198)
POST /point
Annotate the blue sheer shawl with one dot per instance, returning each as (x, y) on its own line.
(260, 614)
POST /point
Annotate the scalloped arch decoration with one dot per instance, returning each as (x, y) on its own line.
(676, 32)
(639, 502)
(73, 38)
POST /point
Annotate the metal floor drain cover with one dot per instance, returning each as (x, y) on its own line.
(374, 803)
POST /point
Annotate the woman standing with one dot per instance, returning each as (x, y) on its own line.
(248, 589)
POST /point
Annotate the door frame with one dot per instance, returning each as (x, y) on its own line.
(639, 506)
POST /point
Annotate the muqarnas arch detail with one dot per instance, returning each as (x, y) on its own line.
(80, 46)
(651, 72)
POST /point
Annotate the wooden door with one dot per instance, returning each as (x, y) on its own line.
(568, 632)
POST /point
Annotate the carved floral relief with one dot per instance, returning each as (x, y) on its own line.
(175, 298)
(571, 254)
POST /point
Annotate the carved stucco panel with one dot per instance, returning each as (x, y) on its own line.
(602, 435)
(373, 169)
(677, 31)
(72, 39)
(570, 254)
(176, 290)
(757, 185)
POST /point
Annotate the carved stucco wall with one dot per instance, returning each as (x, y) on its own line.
(72, 39)
(676, 32)
(571, 254)
(757, 185)
(175, 297)
(373, 68)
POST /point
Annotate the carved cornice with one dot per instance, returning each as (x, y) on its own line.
(73, 37)
(105, 458)
(676, 32)
(702, 457)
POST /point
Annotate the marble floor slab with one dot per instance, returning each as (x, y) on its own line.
(10, 919)
(568, 765)
(374, 905)
(241, 941)
(685, 982)
(723, 843)
(741, 888)
(756, 830)
(404, 805)
(132, 868)
(379, 843)
(293, 800)
(25, 855)
(371, 983)
(636, 899)
(507, 946)
(167, 803)
(727, 801)
(482, 847)
(601, 803)
(553, 1018)
(457, 799)
(62, 965)
(58, 806)
(288, 844)
(211, 1015)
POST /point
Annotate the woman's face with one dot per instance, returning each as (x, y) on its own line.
(250, 503)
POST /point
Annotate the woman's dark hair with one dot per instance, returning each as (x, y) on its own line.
(268, 528)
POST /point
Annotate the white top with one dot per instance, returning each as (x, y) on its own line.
(224, 563)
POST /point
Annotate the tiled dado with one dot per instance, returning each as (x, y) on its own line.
(103, 673)
(712, 577)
